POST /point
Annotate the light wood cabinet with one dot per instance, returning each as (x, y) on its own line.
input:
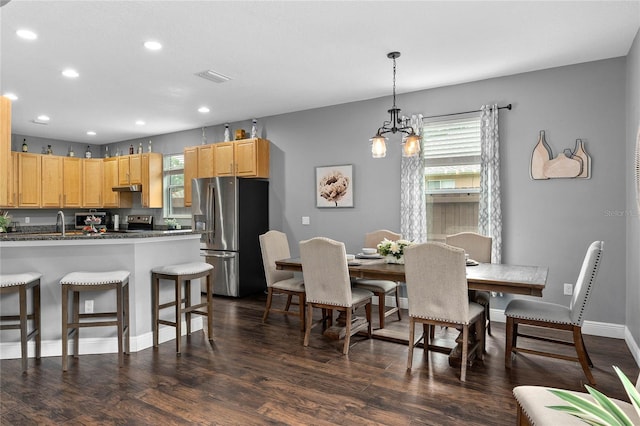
(251, 158)
(93, 182)
(151, 175)
(224, 159)
(72, 182)
(190, 171)
(242, 158)
(110, 179)
(51, 186)
(14, 190)
(29, 180)
(206, 166)
(130, 169)
(7, 176)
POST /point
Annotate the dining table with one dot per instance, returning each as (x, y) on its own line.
(494, 277)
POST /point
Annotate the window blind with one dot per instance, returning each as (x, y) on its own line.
(452, 142)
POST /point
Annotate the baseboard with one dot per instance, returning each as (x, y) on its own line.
(100, 345)
(633, 345)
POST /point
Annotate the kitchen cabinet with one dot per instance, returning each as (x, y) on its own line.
(242, 158)
(190, 171)
(206, 166)
(51, 176)
(72, 182)
(130, 169)
(110, 179)
(14, 190)
(251, 158)
(151, 175)
(92, 175)
(29, 180)
(7, 176)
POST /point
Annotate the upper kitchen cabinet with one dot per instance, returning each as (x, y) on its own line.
(242, 158)
(72, 182)
(110, 179)
(6, 177)
(190, 171)
(29, 180)
(251, 158)
(130, 169)
(51, 169)
(93, 182)
(151, 180)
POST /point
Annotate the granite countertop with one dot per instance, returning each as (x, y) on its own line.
(78, 235)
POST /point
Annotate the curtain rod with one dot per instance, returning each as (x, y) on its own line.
(466, 112)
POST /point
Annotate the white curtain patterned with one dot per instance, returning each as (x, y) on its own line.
(490, 213)
(413, 210)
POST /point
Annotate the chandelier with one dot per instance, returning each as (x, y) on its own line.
(411, 143)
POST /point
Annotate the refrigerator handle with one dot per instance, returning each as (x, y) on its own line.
(211, 199)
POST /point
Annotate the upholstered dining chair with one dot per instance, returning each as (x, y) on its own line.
(551, 315)
(534, 404)
(381, 288)
(328, 287)
(478, 247)
(275, 246)
(438, 295)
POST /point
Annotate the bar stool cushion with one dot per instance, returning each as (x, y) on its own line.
(95, 278)
(10, 280)
(183, 269)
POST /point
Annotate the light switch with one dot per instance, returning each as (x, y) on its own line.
(305, 220)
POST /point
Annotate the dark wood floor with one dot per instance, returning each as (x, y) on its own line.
(259, 373)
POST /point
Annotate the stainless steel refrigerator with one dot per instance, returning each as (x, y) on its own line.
(231, 213)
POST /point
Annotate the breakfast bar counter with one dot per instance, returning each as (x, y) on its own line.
(54, 256)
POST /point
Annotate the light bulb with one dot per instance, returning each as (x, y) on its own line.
(411, 146)
(378, 146)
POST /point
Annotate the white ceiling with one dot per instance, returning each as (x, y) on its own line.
(282, 56)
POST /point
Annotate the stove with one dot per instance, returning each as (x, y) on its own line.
(139, 223)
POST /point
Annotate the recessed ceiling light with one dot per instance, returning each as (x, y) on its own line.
(27, 34)
(203, 109)
(91, 133)
(152, 45)
(71, 73)
(140, 123)
(11, 96)
(43, 118)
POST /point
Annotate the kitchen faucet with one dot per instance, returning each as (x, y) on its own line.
(60, 222)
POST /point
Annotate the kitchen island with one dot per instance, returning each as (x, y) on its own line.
(54, 256)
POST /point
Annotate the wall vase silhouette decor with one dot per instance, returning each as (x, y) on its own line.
(567, 164)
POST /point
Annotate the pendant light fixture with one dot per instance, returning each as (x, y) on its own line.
(411, 144)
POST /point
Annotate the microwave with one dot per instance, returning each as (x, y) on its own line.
(104, 216)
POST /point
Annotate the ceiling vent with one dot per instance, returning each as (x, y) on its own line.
(216, 77)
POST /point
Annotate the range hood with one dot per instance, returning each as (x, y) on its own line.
(127, 188)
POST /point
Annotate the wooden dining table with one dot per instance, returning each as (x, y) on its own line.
(496, 277)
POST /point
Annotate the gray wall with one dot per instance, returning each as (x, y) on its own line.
(545, 222)
(633, 216)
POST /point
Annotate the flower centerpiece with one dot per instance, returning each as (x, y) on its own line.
(90, 225)
(393, 251)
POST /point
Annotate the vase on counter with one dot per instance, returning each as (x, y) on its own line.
(392, 259)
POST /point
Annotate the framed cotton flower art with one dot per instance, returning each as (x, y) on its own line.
(334, 186)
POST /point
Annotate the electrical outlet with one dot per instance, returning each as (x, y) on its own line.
(568, 289)
(27, 219)
(88, 306)
(305, 220)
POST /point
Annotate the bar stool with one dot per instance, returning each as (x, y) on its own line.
(20, 283)
(77, 282)
(179, 273)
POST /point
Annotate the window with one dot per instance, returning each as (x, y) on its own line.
(452, 175)
(174, 187)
